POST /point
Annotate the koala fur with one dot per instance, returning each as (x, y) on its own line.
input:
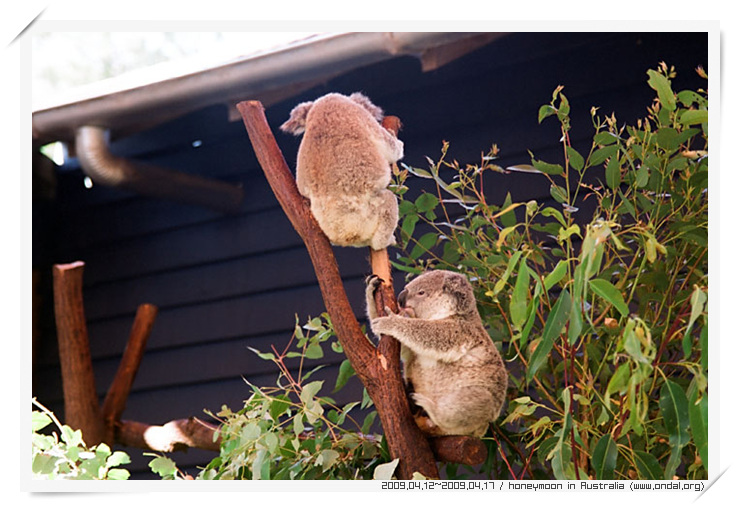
(344, 168)
(457, 374)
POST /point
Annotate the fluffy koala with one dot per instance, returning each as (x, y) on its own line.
(344, 166)
(457, 374)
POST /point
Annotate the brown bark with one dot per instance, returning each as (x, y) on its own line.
(459, 449)
(378, 369)
(115, 400)
(81, 406)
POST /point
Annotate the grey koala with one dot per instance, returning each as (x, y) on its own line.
(344, 168)
(457, 374)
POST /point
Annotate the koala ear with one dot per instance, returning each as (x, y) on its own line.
(296, 124)
(458, 286)
(368, 105)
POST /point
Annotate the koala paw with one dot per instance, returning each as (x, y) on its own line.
(427, 426)
(380, 325)
(373, 281)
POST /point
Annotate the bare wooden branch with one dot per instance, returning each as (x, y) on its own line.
(115, 400)
(379, 370)
(81, 406)
(176, 435)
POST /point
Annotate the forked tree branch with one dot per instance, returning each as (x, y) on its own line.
(115, 400)
(378, 369)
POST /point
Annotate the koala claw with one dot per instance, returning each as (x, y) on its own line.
(373, 280)
(389, 311)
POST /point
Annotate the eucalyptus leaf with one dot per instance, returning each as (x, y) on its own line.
(674, 407)
(613, 174)
(562, 464)
(663, 87)
(554, 169)
(558, 193)
(426, 202)
(555, 323)
(118, 474)
(518, 304)
(314, 351)
(503, 234)
(545, 111)
(425, 243)
(609, 293)
(648, 466)
(118, 458)
(327, 458)
(619, 380)
(694, 117)
(385, 471)
(600, 155)
(309, 390)
(43, 464)
(556, 274)
(345, 372)
(699, 422)
(698, 300)
(552, 212)
(605, 138)
(575, 159)
(39, 420)
(163, 466)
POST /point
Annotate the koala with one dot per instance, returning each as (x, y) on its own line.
(456, 372)
(344, 168)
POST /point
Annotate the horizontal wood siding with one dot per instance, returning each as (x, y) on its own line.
(224, 283)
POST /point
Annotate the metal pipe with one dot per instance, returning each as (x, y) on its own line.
(104, 168)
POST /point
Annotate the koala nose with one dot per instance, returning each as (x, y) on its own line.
(402, 298)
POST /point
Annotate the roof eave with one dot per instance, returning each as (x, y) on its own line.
(268, 77)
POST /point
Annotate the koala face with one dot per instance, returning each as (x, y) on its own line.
(437, 294)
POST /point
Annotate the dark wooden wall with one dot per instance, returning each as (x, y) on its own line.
(227, 282)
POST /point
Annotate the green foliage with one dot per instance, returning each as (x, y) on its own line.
(69, 458)
(604, 325)
(292, 430)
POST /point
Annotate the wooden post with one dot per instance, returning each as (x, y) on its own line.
(378, 369)
(81, 406)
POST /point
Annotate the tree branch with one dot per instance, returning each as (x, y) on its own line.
(459, 449)
(175, 435)
(379, 370)
(115, 400)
